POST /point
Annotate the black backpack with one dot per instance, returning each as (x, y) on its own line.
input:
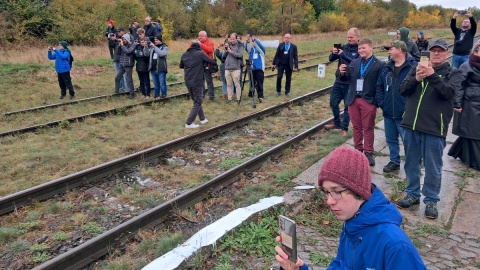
(71, 60)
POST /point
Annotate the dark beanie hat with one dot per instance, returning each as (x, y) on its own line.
(349, 168)
(159, 37)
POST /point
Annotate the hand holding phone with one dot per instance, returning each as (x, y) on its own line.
(288, 234)
(425, 58)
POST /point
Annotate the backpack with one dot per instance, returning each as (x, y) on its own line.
(71, 60)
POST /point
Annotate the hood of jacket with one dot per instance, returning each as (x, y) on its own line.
(377, 210)
(404, 34)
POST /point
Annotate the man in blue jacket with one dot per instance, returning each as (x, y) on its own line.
(371, 236)
(256, 54)
(344, 55)
(389, 99)
(62, 66)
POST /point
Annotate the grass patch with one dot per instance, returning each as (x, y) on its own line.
(462, 184)
(93, 229)
(285, 177)
(60, 236)
(18, 247)
(464, 174)
(317, 214)
(252, 194)
(398, 186)
(319, 258)
(229, 163)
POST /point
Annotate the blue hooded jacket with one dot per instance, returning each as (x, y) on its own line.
(387, 95)
(62, 60)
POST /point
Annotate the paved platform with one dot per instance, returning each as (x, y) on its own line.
(456, 245)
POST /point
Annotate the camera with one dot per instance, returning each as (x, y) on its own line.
(462, 12)
(50, 48)
(111, 35)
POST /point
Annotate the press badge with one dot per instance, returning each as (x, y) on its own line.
(285, 52)
(255, 56)
(155, 56)
(360, 85)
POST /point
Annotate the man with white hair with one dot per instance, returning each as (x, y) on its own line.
(207, 47)
(463, 37)
(150, 30)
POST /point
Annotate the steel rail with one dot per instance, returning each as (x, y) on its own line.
(10, 202)
(108, 241)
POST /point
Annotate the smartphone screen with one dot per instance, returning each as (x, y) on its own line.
(288, 233)
(425, 58)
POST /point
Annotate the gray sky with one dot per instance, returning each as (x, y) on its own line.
(457, 4)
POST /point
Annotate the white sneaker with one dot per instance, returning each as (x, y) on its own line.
(203, 122)
(192, 125)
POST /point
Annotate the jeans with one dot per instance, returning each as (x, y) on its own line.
(363, 115)
(458, 60)
(422, 146)
(392, 131)
(122, 81)
(288, 78)
(339, 92)
(65, 82)
(144, 79)
(156, 83)
(162, 79)
(127, 73)
(196, 93)
(222, 78)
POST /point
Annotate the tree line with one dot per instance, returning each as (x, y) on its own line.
(84, 22)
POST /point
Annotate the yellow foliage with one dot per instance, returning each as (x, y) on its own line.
(168, 30)
(423, 19)
(328, 22)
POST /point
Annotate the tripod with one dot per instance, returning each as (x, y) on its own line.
(251, 92)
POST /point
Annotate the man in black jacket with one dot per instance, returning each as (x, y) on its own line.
(463, 38)
(430, 90)
(150, 30)
(345, 55)
(192, 61)
(285, 60)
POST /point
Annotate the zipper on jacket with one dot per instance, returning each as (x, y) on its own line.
(424, 88)
(441, 124)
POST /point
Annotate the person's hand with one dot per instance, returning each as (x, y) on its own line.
(455, 14)
(295, 69)
(282, 258)
(423, 71)
(273, 67)
(459, 110)
(335, 50)
(342, 68)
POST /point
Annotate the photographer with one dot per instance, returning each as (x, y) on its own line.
(127, 60)
(110, 33)
(256, 54)
(62, 66)
(142, 56)
(160, 51)
(233, 65)
(220, 53)
(133, 28)
(463, 37)
(116, 57)
(150, 30)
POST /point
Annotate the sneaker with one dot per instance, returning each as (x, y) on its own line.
(72, 97)
(228, 101)
(164, 96)
(287, 94)
(407, 202)
(156, 98)
(431, 210)
(62, 97)
(238, 102)
(260, 100)
(371, 159)
(278, 94)
(204, 121)
(147, 97)
(192, 125)
(343, 133)
(390, 167)
(131, 96)
(331, 126)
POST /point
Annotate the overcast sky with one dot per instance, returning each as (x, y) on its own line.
(457, 4)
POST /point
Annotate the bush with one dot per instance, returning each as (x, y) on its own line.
(328, 22)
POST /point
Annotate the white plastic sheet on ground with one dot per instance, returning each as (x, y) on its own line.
(210, 234)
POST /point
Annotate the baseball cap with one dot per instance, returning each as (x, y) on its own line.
(397, 44)
(120, 29)
(438, 43)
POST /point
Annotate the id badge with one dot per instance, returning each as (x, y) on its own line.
(155, 56)
(285, 52)
(360, 85)
(255, 56)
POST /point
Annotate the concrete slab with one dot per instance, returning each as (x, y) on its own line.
(450, 136)
(473, 185)
(310, 175)
(467, 215)
(448, 193)
(451, 164)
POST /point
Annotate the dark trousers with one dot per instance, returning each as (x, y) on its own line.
(207, 75)
(65, 82)
(196, 93)
(128, 79)
(144, 79)
(339, 92)
(258, 77)
(288, 75)
(111, 50)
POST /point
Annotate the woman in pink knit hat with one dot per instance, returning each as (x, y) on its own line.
(371, 236)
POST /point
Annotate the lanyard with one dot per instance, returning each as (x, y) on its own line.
(364, 68)
(287, 46)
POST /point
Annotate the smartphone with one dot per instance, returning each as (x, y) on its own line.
(288, 233)
(337, 46)
(425, 58)
(462, 12)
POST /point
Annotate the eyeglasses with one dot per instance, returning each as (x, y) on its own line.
(336, 195)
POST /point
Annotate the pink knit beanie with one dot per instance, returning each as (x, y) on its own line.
(349, 168)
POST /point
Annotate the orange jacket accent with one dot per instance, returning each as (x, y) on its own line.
(208, 47)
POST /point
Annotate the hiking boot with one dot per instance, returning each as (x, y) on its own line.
(62, 97)
(260, 100)
(204, 121)
(278, 94)
(431, 211)
(192, 125)
(72, 97)
(390, 167)
(287, 94)
(407, 202)
(331, 126)
(371, 159)
(131, 96)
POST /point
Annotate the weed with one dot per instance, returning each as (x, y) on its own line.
(64, 124)
(476, 264)
(121, 111)
(79, 218)
(100, 210)
(398, 186)
(40, 258)
(319, 258)
(33, 216)
(230, 163)
(39, 247)
(118, 265)
(149, 201)
(29, 226)
(426, 230)
(458, 200)
(60, 236)
(464, 174)
(54, 208)
(255, 150)
(462, 184)
(17, 247)
(172, 77)
(92, 229)
(457, 262)
(284, 178)
(251, 194)
(317, 214)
